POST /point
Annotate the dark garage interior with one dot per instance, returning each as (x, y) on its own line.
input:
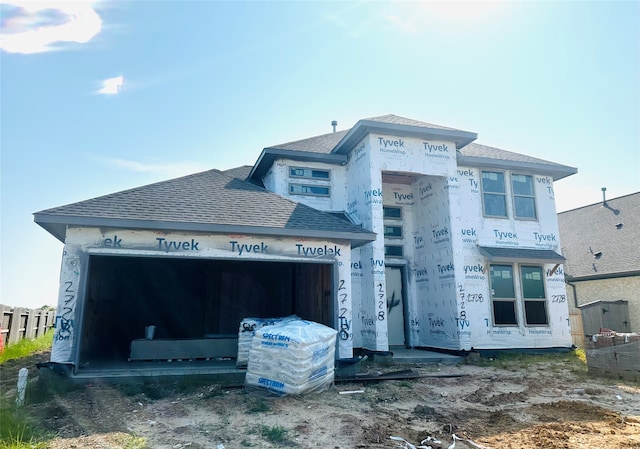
(192, 299)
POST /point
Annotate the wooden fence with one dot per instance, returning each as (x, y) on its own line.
(18, 323)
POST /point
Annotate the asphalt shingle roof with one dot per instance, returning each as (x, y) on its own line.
(397, 120)
(477, 150)
(613, 230)
(325, 143)
(204, 201)
(317, 144)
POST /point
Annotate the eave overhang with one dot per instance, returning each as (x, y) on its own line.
(364, 127)
(57, 226)
(521, 255)
(269, 155)
(556, 171)
(596, 277)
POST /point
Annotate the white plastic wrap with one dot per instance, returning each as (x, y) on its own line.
(292, 357)
(248, 326)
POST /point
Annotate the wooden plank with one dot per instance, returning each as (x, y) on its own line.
(184, 349)
(14, 326)
(30, 325)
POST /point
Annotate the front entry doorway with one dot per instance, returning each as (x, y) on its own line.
(395, 306)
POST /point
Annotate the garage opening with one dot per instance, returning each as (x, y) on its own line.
(192, 299)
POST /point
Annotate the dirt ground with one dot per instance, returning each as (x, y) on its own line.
(549, 403)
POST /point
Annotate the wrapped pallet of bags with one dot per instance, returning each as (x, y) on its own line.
(247, 329)
(292, 357)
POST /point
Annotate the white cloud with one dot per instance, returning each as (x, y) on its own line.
(165, 169)
(111, 86)
(39, 26)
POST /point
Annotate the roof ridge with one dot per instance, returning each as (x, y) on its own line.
(309, 138)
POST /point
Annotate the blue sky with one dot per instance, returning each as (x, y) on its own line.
(98, 97)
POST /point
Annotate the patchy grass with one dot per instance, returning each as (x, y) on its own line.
(26, 347)
(259, 406)
(574, 360)
(16, 432)
(275, 434)
(132, 442)
(18, 428)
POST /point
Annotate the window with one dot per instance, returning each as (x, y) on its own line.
(494, 197)
(393, 251)
(392, 212)
(535, 302)
(504, 297)
(302, 189)
(393, 231)
(524, 200)
(309, 173)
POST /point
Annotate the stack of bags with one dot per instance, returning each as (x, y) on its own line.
(292, 357)
(248, 328)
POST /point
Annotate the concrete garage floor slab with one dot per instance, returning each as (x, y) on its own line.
(226, 371)
(406, 355)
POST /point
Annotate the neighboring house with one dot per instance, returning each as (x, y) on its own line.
(601, 243)
(395, 232)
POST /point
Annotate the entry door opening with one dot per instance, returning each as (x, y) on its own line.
(395, 306)
(193, 299)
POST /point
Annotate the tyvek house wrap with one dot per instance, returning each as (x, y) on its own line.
(82, 242)
(448, 298)
(472, 231)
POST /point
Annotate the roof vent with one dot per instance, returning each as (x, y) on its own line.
(619, 226)
(604, 197)
(334, 124)
(597, 255)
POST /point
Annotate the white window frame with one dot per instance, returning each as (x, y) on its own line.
(515, 195)
(519, 300)
(395, 226)
(310, 186)
(394, 255)
(391, 208)
(503, 194)
(542, 299)
(513, 300)
(310, 175)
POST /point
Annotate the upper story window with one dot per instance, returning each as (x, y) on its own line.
(392, 231)
(393, 250)
(494, 195)
(309, 173)
(524, 200)
(303, 189)
(391, 213)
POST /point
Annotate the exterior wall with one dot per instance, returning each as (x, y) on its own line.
(423, 252)
(472, 229)
(434, 266)
(82, 242)
(364, 200)
(448, 298)
(277, 180)
(614, 289)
